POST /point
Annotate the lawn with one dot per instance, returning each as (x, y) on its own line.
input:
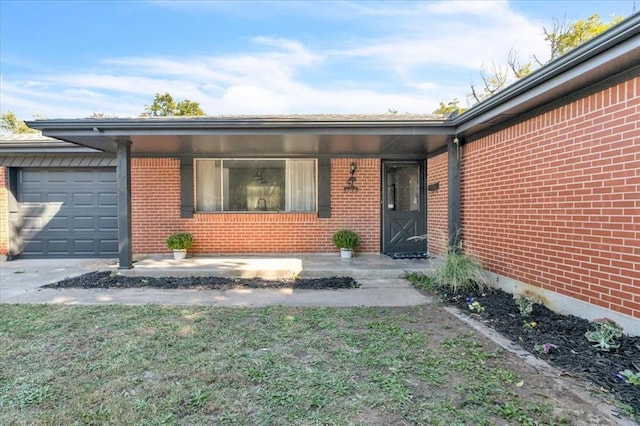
(277, 365)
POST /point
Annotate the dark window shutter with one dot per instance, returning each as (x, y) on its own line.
(324, 187)
(186, 187)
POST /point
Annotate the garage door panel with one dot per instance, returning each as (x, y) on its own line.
(84, 223)
(107, 200)
(33, 246)
(83, 246)
(83, 177)
(109, 246)
(58, 223)
(83, 200)
(107, 177)
(32, 223)
(59, 247)
(32, 197)
(57, 197)
(68, 212)
(108, 223)
(31, 176)
(56, 176)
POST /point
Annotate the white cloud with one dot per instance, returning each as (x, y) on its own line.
(394, 68)
(459, 7)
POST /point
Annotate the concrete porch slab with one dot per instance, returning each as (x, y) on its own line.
(280, 266)
(379, 278)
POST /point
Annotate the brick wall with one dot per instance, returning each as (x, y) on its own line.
(554, 201)
(4, 213)
(156, 214)
(437, 205)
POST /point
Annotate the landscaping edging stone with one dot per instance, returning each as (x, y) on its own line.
(542, 367)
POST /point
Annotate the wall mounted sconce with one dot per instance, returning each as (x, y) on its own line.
(351, 187)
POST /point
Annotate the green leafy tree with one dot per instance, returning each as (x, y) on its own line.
(560, 39)
(12, 124)
(452, 107)
(189, 108)
(563, 37)
(164, 106)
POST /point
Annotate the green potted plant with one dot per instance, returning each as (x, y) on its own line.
(346, 240)
(180, 242)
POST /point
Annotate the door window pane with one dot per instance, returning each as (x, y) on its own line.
(403, 187)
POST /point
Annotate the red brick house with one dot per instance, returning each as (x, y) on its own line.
(541, 182)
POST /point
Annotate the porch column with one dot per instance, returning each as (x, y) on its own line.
(15, 243)
(453, 195)
(123, 178)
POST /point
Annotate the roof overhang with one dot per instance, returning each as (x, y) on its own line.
(36, 144)
(264, 136)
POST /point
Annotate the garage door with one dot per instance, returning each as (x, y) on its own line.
(68, 212)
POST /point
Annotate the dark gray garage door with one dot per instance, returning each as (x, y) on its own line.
(68, 212)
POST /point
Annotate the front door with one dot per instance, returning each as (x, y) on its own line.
(403, 207)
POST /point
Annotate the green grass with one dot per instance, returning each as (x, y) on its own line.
(153, 365)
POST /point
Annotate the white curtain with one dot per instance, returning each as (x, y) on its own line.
(301, 186)
(208, 197)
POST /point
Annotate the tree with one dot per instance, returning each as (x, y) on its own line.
(189, 108)
(450, 108)
(561, 39)
(164, 106)
(12, 124)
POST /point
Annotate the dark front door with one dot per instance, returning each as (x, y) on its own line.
(403, 207)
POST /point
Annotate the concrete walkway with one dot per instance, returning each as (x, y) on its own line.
(378, 275)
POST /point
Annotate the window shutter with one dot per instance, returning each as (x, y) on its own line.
(186, 187)
(324, 187)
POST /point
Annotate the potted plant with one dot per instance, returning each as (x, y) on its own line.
(179, 243)
(346, 240)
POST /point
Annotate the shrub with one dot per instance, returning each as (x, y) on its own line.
(346, 238)
(461, 272)
(180, 241)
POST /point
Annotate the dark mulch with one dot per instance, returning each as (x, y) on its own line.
(572, 352)
(109, 280)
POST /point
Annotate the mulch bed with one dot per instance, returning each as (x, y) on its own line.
(105, 280)
(571, 352)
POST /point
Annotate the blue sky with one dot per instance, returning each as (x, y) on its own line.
(68, 59)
